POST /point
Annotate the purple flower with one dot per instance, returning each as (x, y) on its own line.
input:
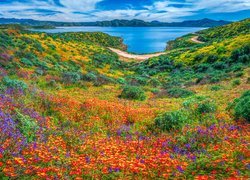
(188, 146)
(179, 168)
(87, 159)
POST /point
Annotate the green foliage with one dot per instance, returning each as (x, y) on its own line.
(27, 126)
(15, 84)
(98, 38)
(90, 76)
(100, 60)
(154, 82)
(71, 77)
(212, 58)
(236, 82)
(241, 55)
(133, 93)
(200, 105)
(179, 93)
(227, 31)
(216, 88)
(171, 120)
(121, 81)
(182, 42)
(26, 62)
(241, 106)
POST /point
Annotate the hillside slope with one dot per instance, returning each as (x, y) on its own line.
(71, 109)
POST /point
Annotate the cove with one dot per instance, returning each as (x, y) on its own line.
(140, 40)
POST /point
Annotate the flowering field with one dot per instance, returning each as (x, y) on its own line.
(68, 113)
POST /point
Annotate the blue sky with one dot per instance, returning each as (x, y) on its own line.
(149, 10)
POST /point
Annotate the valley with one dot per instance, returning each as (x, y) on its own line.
(72, 108)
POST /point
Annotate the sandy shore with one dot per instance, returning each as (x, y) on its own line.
(135, 56)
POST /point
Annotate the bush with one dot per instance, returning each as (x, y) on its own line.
(239, 74)
(154, 82)
(212, 58)
(200, 105)
(100, 60)
(179, 93)
(15, 84)
(121, 81)
(171, 120)
(244, 58)
(90, 76)
(241, 106)
(248, 80)
(26, 62)
(102, 79)
(71, 77)
(236, 82)
(133, 93)
(219, 65)
(202, 67)
(216, 88)
(215, 79)
(27, 126)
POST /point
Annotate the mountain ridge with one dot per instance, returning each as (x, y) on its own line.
(118, 23)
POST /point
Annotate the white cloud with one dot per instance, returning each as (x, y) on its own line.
(162, 10)
(80, 5)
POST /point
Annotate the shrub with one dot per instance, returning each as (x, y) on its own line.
(141, 80)
(171, 120)
(241, 106)
(199, 58)
(200, 105)
(121, 81)
(236, 82)
(202, 67)
(102, 79)
(39, 71)
(71, 77)
(248, 80)
(27, 126)
(133, 93)
(155, 90)
(26, 62)
(99, 60)
(215, 79)
(15, 84)
(154, 82)
(244, 58)
(239, 74)
(179, 93)
(237, 67)
(90, 76)
(219, 65)
(212, 58)
(216, 88)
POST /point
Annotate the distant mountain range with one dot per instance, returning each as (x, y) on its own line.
(117, 23)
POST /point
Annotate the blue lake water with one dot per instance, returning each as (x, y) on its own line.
(139, 40)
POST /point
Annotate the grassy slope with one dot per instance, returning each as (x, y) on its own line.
(75, 125)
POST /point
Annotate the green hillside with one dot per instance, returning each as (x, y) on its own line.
(72, 109)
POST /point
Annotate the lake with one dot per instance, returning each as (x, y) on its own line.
(139, 40)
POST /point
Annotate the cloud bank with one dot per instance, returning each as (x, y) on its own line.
(149, 10)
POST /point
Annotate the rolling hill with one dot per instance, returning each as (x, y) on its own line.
(72, 109)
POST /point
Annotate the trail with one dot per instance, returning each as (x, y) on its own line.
(195, 39)
(135, 56)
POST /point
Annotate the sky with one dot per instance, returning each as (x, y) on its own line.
(148, 10)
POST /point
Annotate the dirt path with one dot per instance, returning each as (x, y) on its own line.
(195, 39)
(135, 56)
